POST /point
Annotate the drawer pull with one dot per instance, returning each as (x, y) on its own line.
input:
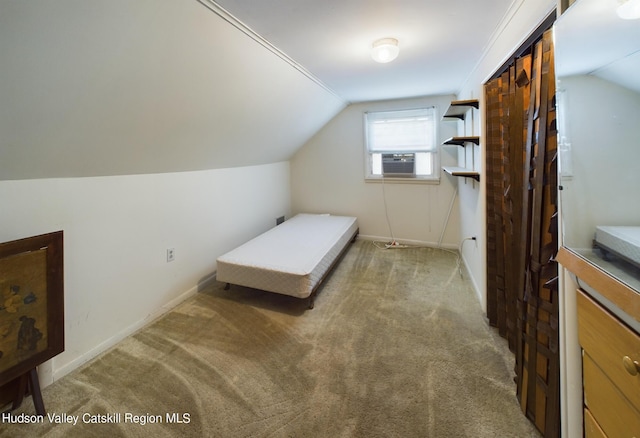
(632, 366)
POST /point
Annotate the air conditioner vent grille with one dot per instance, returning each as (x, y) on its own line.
(398, 164)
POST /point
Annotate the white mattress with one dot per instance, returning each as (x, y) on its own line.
(623, 240)
(291, 258)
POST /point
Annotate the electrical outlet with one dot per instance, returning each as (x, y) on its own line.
(171, 254)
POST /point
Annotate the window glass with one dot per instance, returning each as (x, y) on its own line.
(402, 132)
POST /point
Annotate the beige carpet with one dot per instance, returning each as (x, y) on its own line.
(396, 346)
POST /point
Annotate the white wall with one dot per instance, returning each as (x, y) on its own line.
(328, 175)
(601, 130)
(116, 233)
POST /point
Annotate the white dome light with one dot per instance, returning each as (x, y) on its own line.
(385, 50)
(629, 9)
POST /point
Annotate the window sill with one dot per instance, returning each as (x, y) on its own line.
(403, 180)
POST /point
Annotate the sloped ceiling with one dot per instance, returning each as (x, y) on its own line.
(144, 86)
(592, 40)
(118, 87)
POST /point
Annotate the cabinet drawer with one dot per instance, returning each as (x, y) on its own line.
(610, 409)
(607, 341)
(591, 427)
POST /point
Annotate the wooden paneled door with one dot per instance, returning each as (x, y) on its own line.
(522, 228)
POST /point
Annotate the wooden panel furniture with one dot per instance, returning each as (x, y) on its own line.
(611, 371)
(31, 313)
(591, 428)
(611, 349)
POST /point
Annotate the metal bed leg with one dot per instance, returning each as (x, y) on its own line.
(227, 286)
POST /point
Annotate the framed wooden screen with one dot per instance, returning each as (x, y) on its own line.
(31, 303)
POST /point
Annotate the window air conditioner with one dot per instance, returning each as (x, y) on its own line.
(398, 165)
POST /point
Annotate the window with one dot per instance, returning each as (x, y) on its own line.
(402, 132)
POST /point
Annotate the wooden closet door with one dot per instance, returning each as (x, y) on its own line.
(522, 241)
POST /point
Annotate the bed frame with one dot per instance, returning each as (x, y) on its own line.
(619, 243)
(293, 258)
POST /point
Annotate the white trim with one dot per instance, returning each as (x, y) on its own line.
(127, 331)
(497, 34)
(235, 22)
(403, 180)
(474, 284)
(571, 390)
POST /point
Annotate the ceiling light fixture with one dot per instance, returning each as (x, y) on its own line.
(385, 50)
(629, 9)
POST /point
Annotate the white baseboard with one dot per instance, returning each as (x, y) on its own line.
(409, 242)
(474, 284)
(52, 376)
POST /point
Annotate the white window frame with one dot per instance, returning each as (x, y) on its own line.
(430, 149)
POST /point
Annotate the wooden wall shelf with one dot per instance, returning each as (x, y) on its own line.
(462, 141)
(462, 172)
(458, 108)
